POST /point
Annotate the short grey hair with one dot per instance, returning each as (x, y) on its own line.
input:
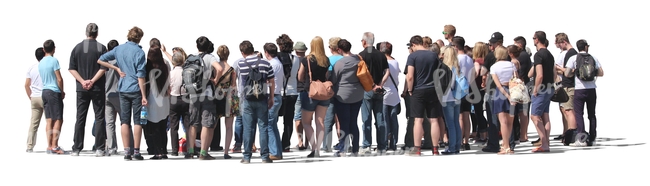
(91, 30)
(369, 38)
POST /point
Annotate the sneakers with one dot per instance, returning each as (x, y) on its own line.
(138, 156)
(366, 150)
(100, 153)
(74, 153)
(245, 161)
(29, 150)
(272, 157)
(58, 150)
(578, 144)
(236, 149)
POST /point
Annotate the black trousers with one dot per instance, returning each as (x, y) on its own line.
(408, 138)
(155, 135)
(178, 110)
(98, 99)
(216, 139)
(289, 103)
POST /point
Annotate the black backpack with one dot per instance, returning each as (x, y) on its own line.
(254, 83)
(287, 63)
(585, 67)
(442, 77)
(193, 74)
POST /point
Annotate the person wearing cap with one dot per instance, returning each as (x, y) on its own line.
(492, 145)
(90, 89)
(585, 93)
(300, 49)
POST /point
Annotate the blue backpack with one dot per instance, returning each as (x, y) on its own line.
(461, 86)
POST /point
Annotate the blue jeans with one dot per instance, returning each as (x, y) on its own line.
(256, 113)
(329, 125)
(347, 114)
(451, 111)
(275, 143)
(390, 116)
(239, 130)
(373, 103)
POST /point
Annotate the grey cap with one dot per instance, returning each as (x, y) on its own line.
(300, 47)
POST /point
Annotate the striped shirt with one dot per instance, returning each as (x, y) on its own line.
(242, 70)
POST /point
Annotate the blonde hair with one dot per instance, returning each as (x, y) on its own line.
(501, 53)
(178, 59)
(318, 51)
(223, 52)
(451, 58)
(480, 50)
(334, 43)
(427, 42)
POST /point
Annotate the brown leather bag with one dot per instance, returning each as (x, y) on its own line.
(364, 75)
(319, 90)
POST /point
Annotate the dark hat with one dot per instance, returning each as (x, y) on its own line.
(496, 37)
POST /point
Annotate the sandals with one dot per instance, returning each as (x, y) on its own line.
(540, 150)
(507, 151)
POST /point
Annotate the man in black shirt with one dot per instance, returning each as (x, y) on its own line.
(568, 84)
(520, 125)
(373, 101)
(545, 73)
(90, 88)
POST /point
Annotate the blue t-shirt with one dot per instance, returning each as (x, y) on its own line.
(46, 69)
(333, 60)
(131, 60)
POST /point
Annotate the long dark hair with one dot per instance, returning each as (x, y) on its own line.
(156, 64)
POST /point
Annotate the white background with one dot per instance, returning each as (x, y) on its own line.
(612, 28)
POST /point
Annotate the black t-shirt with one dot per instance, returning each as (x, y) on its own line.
(568, 82)
(317, 72)
(524, 66)
(376, 62)
(424, 63)
(84, 58)
(545, 58)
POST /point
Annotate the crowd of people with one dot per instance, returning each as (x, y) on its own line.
(475, 99)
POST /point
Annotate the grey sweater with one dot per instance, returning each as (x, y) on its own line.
(346, 83)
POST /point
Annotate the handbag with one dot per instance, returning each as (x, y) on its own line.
(364, 75)
(560, 95)
(319, 90)
(518, 91)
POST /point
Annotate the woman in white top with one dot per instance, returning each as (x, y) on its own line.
(450, 105)
(502, 71)
(155, 130)
(392, 106)
(178, 108)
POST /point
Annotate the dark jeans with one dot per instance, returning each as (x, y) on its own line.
(494, 128)
(255, 115)
(287, 119)
(155, 135)
(347, 114)
(98, 99)
(390, 116)
(239, 131)
(580, 98)
(177, 110)
(479, 123)
(373, 104)
(426, 126)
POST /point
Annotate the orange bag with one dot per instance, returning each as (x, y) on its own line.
(364, 75)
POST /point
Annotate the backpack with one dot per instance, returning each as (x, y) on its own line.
(193, 74)
(461, 87)
(442, 77)
(254, 83)
(585, 67)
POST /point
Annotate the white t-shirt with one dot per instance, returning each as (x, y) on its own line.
(571, 64)
(559, 60)
(36, 84)
(391, 97)
(504, 70)
(292, 82)
(278, 72)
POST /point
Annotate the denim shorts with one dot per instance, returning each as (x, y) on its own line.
(130, 105)
(309, 104)
(501, 104)
(297, 112)
(540, 104)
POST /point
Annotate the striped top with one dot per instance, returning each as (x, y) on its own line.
(242, 70)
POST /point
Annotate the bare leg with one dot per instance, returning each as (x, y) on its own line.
(191, 139)
(320, 127)
(338, 127)
(56, 132)
(418, 132)
(465, 126)
(48, 130)
(137, 136)
(541, 131)
(435, 130)
(206, 138)
(506, 120)
(229, 133)
(125, 131)
(547, 126)
(443, 131)
(565, 123)
(570, 119)
(309, 130)
(299, 133)
(523, 129)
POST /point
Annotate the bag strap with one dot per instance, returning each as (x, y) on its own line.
(391, 79)
(514, 71)
(286, 79)
(309, 67)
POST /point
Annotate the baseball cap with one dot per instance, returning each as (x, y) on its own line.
(582, 43)
(496, 37)
(300, 47)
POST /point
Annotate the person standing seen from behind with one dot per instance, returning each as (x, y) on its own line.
(422, 64)
(585, 90)
(113, 105)
(313, 68)
(179, 108)
(525, 64)
(568, 84)
(330, 116)
(392, 106)
(373, 101)
(90, 88)
(226, 83)
(256, 76)
(348, 97)
(158, 108)
(300, 49)
(34, 88)
(274, 142)
(130, 66)
(52, 95)
(450, 105)
(505, 109)
(291, 63)
(545, 74)
(466, 65)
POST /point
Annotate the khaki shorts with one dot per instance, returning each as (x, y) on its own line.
(569, 104)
